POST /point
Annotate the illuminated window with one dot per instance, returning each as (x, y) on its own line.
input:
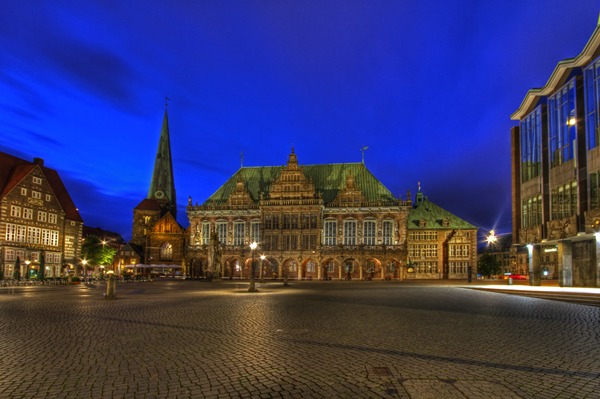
(255, 231)
(369, 232)
(166, 251)
(205, 233)
(52, 218)
(15, 211)
(222, 232)
(349, 232)
(330, 232)
(531, 139)
(562, 111)
(388, 232)
(238, 233)
(37, 180)
(36, 194)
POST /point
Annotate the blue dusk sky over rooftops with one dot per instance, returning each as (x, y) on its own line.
(428, 86)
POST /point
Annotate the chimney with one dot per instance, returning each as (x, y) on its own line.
(38, 161)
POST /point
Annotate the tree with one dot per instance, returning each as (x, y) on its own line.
(96, 252)
(488, 265)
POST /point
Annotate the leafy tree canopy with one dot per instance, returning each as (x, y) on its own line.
(97, 253)
(488, 265)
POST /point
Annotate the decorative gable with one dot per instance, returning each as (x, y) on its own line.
(240, 195)
(292, 183)
(167, 224)
(351, 195)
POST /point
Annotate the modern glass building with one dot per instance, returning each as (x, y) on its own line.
(556, 172)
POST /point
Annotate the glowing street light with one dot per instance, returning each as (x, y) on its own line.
(252, 288)
(492, 238)
(262, 263)
(84, 262)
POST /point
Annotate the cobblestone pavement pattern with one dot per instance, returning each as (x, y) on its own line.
(182, 339)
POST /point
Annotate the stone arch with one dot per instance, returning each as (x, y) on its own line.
(371, 269)
(233, 268)
(392, 269)
(330, 269)
(269, 268)
(309, 270)
(289, 268)
(197, 267)
(350, 269)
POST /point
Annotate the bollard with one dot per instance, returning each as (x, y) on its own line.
(510, 281)
(111, 286)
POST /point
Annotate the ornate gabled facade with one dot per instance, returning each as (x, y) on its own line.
(440, 245)
(40, 227)
(155, 228)
(328, 221)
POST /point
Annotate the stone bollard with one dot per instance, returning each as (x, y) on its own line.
(111, 286)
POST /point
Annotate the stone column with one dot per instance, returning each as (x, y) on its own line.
(565, 263)
(319, 267)
(535, 267)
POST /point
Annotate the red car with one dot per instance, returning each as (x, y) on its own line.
(516, 277)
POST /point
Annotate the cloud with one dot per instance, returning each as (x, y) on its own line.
(98, 70)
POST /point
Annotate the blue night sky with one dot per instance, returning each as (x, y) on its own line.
(428, 86)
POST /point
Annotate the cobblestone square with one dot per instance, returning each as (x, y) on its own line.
(192, 339)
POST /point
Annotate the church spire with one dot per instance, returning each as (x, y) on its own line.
(162, 187)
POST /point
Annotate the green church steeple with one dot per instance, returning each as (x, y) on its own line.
(162, 187)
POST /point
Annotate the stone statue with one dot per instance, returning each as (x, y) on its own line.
(214, 256)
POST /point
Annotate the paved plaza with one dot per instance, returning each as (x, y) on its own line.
(193, 339)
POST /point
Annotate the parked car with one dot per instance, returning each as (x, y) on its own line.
(516, 276)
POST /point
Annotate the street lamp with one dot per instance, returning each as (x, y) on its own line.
(262, 263)
(252, 288)
(492, 239)
(84, 263)
(27, 272)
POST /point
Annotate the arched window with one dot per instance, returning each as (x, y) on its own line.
(369, 232)
(349, 232)
(166, 251)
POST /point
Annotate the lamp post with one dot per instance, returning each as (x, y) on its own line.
(252, 288)
(262, 263)
(26, 275)
(84, 263)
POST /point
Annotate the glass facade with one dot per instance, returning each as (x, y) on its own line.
(592, 103)
(531, 211)
(564, 200)
(595, 190)
(562, 125)
(531, 148)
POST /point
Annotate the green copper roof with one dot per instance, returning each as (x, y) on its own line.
(329, 179)
(434, 217)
